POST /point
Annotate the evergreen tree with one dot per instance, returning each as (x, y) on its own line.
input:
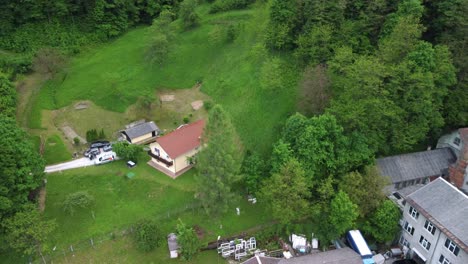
(218, 163)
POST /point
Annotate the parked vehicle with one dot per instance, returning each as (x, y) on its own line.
(90, 152)
(99, 144)
(107, 148)
(104, 158)
(405, 261)
(358, 244)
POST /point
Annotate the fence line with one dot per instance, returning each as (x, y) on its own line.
(63, 251)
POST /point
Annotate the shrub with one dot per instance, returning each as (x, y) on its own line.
(208, 105)
(73, 201)
(127, 151)
(92, 135)
(187, 240)
(76, 141)
(147, 235)
(186, 120)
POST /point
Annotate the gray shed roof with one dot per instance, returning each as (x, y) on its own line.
(416, 165)
(446, 207)
(337, 256)
(261, 260)
(141, 129)
(172, 242)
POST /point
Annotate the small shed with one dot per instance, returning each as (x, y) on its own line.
(141, 133)
(173, 246)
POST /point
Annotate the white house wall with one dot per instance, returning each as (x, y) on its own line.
(437, 240)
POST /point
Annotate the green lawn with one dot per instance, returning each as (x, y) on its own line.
(114, 75)
(120, 202)
(55, 150)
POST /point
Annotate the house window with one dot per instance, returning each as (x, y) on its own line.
(430, 227)
(397, 185)
(156, 150)
(443, 260)
(456, 141)
(452, 247)
(404, 242)
(424, 243)
(413, 213)
(409, 228)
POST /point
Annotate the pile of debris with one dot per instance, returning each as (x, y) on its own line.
(238, 248)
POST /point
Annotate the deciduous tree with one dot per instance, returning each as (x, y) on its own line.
(188, 241)
(286, 193)
(26, 232)
(383, 223)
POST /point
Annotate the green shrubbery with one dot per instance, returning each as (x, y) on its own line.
(225, 5)
(77, 200)
(147, 235)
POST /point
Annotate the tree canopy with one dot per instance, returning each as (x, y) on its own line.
(218, 164)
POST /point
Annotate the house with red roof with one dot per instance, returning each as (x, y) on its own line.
(172, 153)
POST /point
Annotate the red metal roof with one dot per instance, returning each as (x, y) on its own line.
(183, 139)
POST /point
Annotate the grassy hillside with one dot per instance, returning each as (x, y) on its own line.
(115, 75)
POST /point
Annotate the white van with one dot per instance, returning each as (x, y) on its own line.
(105, 158)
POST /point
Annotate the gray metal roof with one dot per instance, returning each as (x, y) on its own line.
(337, 256)
(141, 129)
(172, 242)
(416, 165)
(261, 260)
(446, 207)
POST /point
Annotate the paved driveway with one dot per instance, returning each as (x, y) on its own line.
(78, 163)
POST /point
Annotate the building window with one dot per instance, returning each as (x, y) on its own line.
(456, 141)
(413, 212)
(156, 150)
(424, 243)
(404, 242)
(452, 247)
(409, 228)
(430, 227)
(443, 260)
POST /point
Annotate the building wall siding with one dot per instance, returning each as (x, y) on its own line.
(437, 241)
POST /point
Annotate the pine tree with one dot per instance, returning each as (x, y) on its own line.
(219, 163)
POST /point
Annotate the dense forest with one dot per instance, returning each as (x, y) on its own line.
(378, 78)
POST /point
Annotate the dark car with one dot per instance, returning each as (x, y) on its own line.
(99, 144)
(90, 152)
(405, 261)
(107, 148)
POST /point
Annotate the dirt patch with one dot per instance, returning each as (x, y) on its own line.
(42, 199)
(81, 105)
(166, 97)
(199, 230)
(71, 134)
(196, 105)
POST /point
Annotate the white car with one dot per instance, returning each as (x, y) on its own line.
(105, 158)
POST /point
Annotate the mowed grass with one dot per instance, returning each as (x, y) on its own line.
(123, 250)
(115, 75)
(120, 202)
(55, 150)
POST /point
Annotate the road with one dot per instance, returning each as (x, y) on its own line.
(78, 163)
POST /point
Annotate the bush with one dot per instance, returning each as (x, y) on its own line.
(187, 240)
(226, 5)
(76, 141)
(186, 120)
(208, 105)
(127, 151)
(147, 235)
(91, 135)
(81, 199)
